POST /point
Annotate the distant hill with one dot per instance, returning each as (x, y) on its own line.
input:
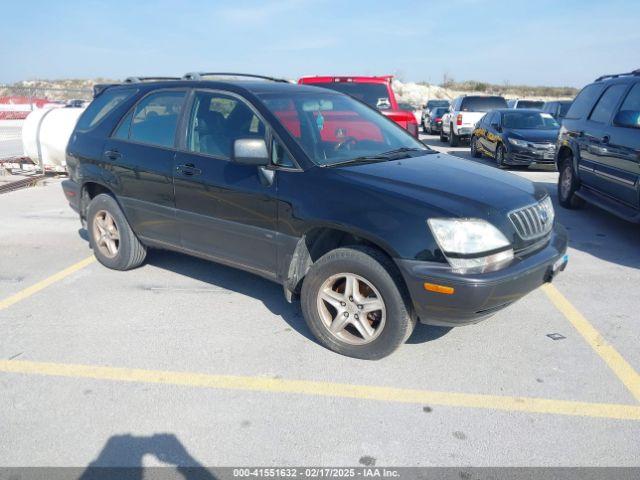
(415, 93)
(54, 89)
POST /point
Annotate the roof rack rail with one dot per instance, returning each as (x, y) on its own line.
(148, 79)
(616, 75)
(201, 75)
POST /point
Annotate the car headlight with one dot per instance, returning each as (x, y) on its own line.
(518, 143)
(471, 245)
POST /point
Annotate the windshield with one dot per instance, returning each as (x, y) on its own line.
(482, 104)
(529, 104)
(373, 94)
(333, 128)
(529, 120)
(438, 112)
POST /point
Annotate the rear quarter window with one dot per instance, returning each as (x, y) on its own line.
(102, 105)
(583, 102)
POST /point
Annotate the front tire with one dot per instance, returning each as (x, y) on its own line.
(353, 303)
(501, 153)
(568, 184)
(113, 242)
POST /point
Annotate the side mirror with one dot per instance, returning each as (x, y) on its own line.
(250, 151)
(627, 118)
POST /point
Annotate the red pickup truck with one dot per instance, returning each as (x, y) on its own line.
(374, 91)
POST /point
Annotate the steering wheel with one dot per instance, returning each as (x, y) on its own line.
(346, 143)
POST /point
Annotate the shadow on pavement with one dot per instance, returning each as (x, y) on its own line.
(598, 233)
(122, 455)
(235, 280)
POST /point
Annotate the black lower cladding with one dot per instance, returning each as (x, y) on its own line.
(72, 193)
(477, 296)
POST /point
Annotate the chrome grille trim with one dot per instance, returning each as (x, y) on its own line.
(533, 221)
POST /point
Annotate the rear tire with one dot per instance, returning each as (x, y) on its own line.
(113, 242)
(475, 153)
(377, 284)
(454, 140)
(568, 184)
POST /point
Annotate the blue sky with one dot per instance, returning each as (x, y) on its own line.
(541, 42)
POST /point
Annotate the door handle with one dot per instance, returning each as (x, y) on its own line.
(113, 154)
(188, 169)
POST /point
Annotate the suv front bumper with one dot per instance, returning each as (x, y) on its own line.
(478, 296)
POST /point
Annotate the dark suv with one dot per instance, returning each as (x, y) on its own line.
(598, 148)
(315, 190)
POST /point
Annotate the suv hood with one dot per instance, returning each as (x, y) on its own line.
(445, 185)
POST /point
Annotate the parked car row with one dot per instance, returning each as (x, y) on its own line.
(594, 140)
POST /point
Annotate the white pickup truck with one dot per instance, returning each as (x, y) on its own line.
(465, 111)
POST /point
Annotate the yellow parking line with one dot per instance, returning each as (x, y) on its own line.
(610, 355)
(27, 292)
(325, 389)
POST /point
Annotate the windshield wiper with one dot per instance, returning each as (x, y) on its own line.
(395, 154)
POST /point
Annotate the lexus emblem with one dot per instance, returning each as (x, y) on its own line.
(544, 216)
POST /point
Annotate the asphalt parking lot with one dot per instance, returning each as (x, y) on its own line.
(187, 362)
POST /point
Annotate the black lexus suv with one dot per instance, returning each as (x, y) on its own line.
(314, 190)
(598, 148)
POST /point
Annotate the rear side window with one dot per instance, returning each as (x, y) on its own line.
(375, 95)
(102, 106)
(583, 102)
(530, 104)
(156, 117)
(564, 108)
(482, 104)
(608, 101)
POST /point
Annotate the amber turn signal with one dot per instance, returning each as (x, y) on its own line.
(434, 287)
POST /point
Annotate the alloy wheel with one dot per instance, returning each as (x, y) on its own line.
(565, 181)
(105, 234)
(351, 308)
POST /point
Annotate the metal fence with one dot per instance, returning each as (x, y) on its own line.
(16, 103)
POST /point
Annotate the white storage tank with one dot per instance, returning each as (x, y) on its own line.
(45, 135)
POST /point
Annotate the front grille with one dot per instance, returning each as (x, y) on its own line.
(533, 221)
(547, 147)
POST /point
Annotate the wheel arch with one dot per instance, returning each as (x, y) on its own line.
(319, 240)
(565, 152)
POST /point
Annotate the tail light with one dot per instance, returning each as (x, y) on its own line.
(412, 128)
(459, 119)
(438, 119)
